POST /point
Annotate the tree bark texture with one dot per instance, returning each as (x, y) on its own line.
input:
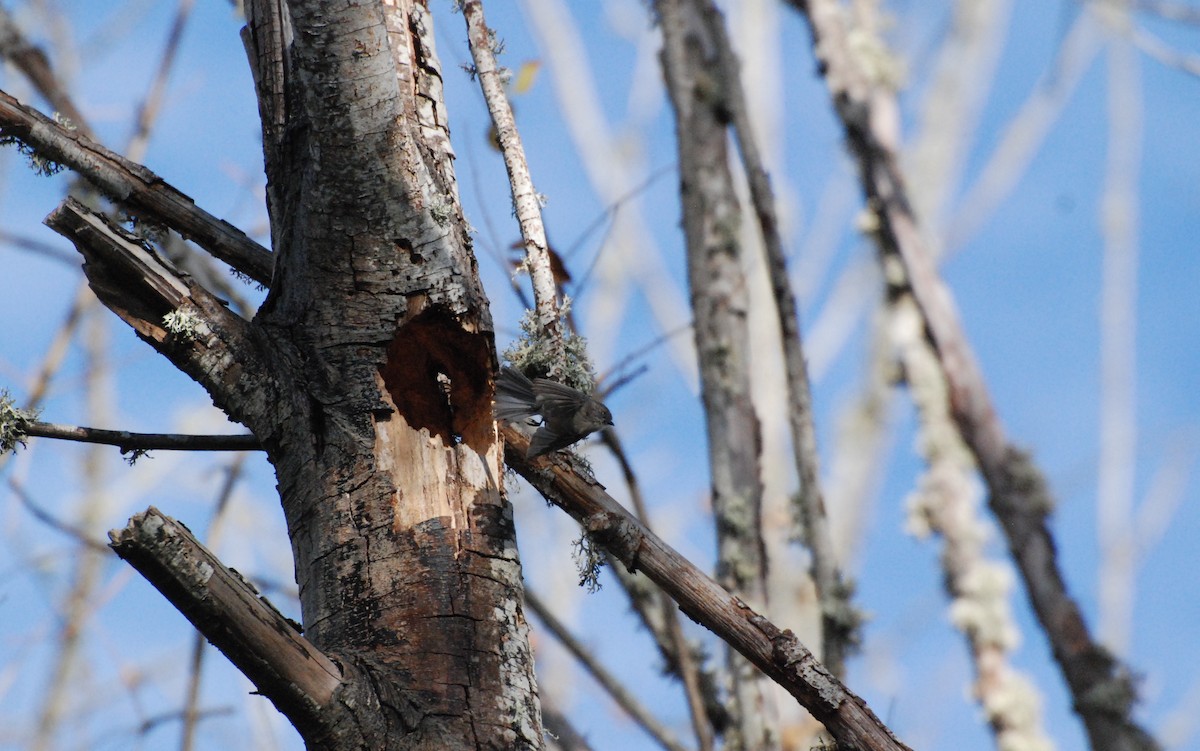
(384, 444)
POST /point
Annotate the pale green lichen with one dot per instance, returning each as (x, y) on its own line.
(442, 210)
(537, 354)
(589, 560)
(65, 122)
(183, 323)
(14, 423)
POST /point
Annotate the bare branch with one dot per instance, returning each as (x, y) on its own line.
(37, 247)
(191, 704)
(127, 441)
(152, 103)
(660, 617)
(266, 38)
(1117, 471)
(267, 647)
(946, 503)
(32, 61)
(1025, 132)
(134, 187)
(526, 202)
(1170, 10)
(175, 315)
(779, 654)
(711, 219)
(50, 520)
(1166, 54)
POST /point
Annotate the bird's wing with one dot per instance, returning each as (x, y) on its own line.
(555, 397)
(545, 440)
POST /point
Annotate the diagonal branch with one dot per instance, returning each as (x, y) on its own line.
(267, 647)
(526, 202)
(136, 188)
(32, 61)
(172, 313)
(778, 653)
(1102, 688)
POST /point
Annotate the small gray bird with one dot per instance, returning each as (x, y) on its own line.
(568, 414)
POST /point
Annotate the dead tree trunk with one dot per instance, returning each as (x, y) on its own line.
(366, 375)
(383, 440)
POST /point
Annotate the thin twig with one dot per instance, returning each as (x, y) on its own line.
(191, 704)
(191, 701)
(151, 104)
(57, 351)
(37, 247)
(128, 441)
(1158, 48)
(1025, 133)
(151, 723)
(78, 605)
(705, 708)
(614, 206)
(1169, 10)
(609, 214)
(628, 359)
(50, 520)
(32, 61)
(1117, 470)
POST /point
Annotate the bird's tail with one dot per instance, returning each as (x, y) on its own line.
(515, 399)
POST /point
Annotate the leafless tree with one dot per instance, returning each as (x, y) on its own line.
(365, 375)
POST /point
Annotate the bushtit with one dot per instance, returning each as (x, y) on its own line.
(568, 415)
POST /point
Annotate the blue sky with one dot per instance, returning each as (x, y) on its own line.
(1028, 286)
